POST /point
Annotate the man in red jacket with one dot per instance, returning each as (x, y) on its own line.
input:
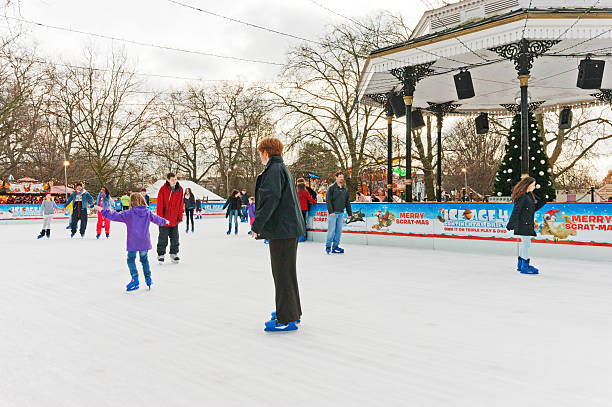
(170, 206)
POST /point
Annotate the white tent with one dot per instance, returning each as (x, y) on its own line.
(198, 191)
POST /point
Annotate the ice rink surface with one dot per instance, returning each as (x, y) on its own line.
(382, 326)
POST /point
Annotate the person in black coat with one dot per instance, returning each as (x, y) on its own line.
(278, 218)
(189, 201)
(233, 205)
(522, 220)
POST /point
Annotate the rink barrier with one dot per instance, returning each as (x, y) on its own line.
(584, 230)
(32, 212)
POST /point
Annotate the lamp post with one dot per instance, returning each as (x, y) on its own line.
(227, 175)
(464, 171)
(66, 164)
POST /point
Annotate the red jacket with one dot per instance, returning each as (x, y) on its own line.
(170, 205)
(304, 198)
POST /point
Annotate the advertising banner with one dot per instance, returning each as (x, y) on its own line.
(16, 212)
(565, 223)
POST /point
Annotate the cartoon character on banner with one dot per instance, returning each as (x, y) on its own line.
(551, 227)
(443, 216)
(385, 219)
(357, 216)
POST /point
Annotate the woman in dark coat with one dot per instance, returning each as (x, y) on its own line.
(279, 219)
(522, 220)
(189, 201)
(233, 205)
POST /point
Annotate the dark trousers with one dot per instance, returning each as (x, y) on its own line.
(189, 215)
(162, 240)
(283, 257)
(305, 215)
(78, 214)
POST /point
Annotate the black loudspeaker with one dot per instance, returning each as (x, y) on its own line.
(417, 119)
(482, 123)
(398, 105)
(590, 73)
(464, 85)
(565, 118)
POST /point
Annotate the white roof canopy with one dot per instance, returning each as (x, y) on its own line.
(198, 191)
(553, 76)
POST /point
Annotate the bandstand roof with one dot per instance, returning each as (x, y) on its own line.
(452, 44)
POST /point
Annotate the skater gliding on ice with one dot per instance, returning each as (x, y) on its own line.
(103, 200)
(80, 200)
(47, 209)
(233, 205)
(170, 206)
(522, 220)
(278, 218)
(337, 199)
(137, 219)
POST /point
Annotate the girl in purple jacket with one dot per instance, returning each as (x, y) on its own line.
(137, 220)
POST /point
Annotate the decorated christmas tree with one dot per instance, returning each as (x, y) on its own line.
(509, 172)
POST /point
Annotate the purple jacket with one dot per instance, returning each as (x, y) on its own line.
(137, 221)
(251, 210)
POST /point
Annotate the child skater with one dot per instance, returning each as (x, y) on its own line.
(47, 209)
(136, 219)
(251, 210)
(522, 220)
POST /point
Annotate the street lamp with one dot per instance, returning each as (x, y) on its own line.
(464, 171)
(227, 175)
(66, 164)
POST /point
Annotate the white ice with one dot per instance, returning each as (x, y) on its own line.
(382, 326)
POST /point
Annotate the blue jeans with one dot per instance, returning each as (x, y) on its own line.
(244, 215)
(524, 247)
(233, 213)
(334, 229)
(144, 260)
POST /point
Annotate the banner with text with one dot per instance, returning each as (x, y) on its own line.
(588, 223)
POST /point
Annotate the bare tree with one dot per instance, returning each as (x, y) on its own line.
(592, 128)
(321, 93)
(217, 108)
(21, 100)
(105, 119)
(479, 154)
(182, 138)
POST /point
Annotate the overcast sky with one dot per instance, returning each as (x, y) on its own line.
(164, 23)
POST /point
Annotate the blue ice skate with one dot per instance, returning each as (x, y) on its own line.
(98, 237)
(72, 235)
(273, 315)
(132, 285)
(41, 235)
(337, 250)
(527, 269)
(107, 235)
(275, 326)
(328, 250)
(302, 239)
(148, 281)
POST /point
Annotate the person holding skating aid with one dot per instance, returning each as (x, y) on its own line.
(522, 220)
(137, 219)
(47, 209)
